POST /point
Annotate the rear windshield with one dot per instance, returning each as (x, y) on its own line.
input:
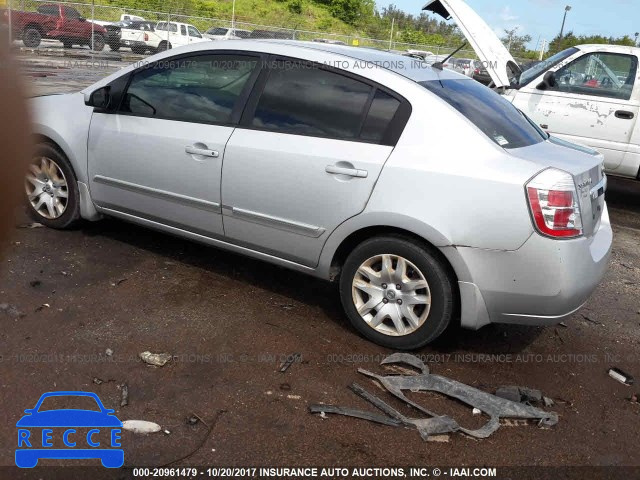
(496, 117)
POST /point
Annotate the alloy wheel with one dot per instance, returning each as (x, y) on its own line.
(47, 188)
(391, 295)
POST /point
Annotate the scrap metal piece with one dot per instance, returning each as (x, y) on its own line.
(284, 366)
(350, 412)
(436, 425)
(494, 407)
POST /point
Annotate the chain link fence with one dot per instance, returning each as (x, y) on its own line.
(40, 24)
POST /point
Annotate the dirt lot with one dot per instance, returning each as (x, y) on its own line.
(230, 321)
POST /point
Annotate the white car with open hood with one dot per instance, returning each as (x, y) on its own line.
(588, 94)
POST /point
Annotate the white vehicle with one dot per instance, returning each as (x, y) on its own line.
(221, 33)
(140, 36)
(125, 17)
(588, 94)
(175, 34)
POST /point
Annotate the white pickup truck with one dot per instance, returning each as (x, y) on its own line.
(589, 94)
(175, 34)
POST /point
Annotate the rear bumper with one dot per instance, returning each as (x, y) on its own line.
(541, 283)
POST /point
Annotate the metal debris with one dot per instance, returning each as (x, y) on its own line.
(548, 402)
(192, 420)
(141, 426)
(108, 352)
(97, 381)
(156, 359)
(621, 376)
(491, 405)
(124, 401)
(284, 366)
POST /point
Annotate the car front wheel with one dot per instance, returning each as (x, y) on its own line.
(51, 188)
(397, 292)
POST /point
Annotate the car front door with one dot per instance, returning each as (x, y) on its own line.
(71, 24)
(194, 34)
(158, 155)
(591, 103)
(305, 157)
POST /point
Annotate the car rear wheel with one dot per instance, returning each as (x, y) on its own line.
(31, 37)
(138, 50)
(67, 44)
(164, 46)
(51, 188)
(114, 47)
(396, 292)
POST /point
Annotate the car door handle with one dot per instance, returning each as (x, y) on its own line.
(201, 151)
(623, 114)
(351, 172)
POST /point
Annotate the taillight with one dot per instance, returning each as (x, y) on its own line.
(146, 37)
(553, 201)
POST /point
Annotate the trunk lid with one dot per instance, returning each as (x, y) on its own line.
(495, 57)
(584, 164)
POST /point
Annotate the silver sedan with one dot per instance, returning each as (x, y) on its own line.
(337, 162)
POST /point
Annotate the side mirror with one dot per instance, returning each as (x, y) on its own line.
(548, 81)
(100, 98)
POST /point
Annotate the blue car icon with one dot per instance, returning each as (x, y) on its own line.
(35, 444)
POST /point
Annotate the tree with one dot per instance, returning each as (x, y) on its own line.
(516, 44)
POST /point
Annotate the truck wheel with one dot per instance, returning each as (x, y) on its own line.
(98, 42)
(114, 47)
(138, 50)
(397, 292)
(31, 37)
(67, 44)
(51, 188)
(164, 46)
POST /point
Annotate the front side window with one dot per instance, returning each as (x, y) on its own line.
(601, 74)
(193, 32)
(200, 89)
(71, 13)
(303, 99)
(491, 113)
(51, 10)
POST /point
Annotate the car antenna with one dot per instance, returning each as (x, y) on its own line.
(440, 65)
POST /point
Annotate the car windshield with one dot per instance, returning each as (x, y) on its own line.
(534, 72)
(496, 117)
(217, 31)
(73, 402)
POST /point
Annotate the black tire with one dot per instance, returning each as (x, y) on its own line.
(98, 42)
(164, 45)
(72, 212)
(67, 44)
(138, 50)
(433, 269)
(114, 47)
(31, 37)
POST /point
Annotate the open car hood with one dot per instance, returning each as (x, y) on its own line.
(499, 63)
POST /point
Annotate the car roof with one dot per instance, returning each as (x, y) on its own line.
(595, 47)
(414, 70)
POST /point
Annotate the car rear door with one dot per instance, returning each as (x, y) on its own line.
(305, 158)
(158, 155)
(591, 103)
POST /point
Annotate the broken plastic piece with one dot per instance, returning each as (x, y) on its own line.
(140, 426)
(350, 412)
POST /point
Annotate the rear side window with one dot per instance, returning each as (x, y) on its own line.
(303, 99)
(496, 117)
(200, 89)
(383, 110)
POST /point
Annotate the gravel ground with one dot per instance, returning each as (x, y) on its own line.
(230, 321)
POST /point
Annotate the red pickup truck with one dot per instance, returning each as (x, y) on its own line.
(57, 22)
